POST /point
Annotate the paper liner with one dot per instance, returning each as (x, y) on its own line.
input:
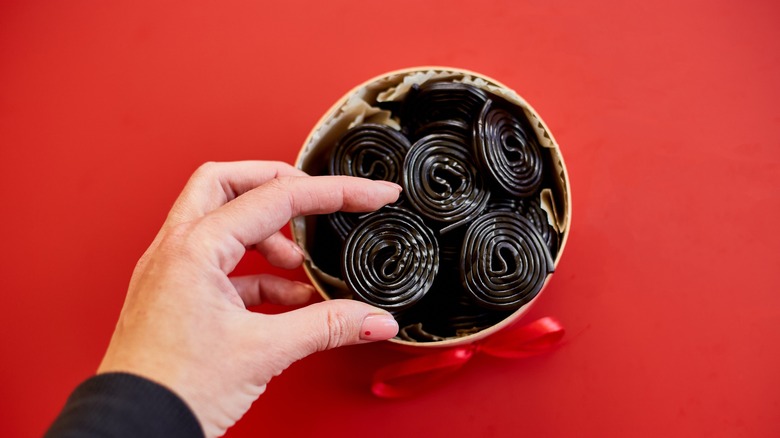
(362, 105)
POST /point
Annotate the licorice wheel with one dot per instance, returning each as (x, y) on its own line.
(390, 259)
(507, 150)
(504, 261)
(441, 182)
(437, 101)
(454, 127)
(370, 151)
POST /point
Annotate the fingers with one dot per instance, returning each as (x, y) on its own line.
(280, 251)
(261, 212)
(266, 288)
(332, 324)
(214, 184)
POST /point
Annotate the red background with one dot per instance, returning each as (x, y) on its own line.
(666, 112)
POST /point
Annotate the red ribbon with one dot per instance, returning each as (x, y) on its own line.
(413, 376)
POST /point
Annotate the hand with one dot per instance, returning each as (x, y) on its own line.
(184, 323)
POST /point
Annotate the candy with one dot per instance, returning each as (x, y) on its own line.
(468, 241)
(370, 151)
(504, 261)
(437, 101)
(440, 181)
(390, 259)
(507, 152)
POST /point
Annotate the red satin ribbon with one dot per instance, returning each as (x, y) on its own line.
(413, 376)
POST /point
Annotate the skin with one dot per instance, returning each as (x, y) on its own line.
(185, 323)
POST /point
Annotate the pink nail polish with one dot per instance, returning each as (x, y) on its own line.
(389, 184)
(378, 327)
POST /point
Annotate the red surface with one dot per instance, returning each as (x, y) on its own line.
(667, 114)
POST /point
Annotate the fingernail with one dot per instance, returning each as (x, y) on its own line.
(306, 285)
(378, 327)
(389, 184)
(298, 249)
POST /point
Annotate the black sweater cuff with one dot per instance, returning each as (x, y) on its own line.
(124, 405)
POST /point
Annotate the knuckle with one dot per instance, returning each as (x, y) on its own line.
(281, 185)
(281, 164)
(181, 240)
(205, 171)
(278, 183)
(338, 326)
(283, 182)
(198, 242)
(179, 232)
(206, 176)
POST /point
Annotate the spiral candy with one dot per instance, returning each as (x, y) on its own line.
(370, 151)
(504, 261)
(390, 259)
(440, 181)
(436, 101)
(467, 243)
(455, 127)
(507, 150)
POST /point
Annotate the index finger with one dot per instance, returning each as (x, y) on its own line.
(215, 184)
(260, 212)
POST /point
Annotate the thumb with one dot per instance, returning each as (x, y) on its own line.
(334, 323)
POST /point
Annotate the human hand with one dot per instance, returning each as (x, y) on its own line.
(184, 323)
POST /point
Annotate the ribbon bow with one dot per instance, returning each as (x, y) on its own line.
(413, 376)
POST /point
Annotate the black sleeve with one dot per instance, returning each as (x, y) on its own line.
(124, 405)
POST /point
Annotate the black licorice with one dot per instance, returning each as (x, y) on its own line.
(390, 259)
(470, 162)
(504, 260)
(370, 151)
(440, 101)
(507, 150)
(441, 182)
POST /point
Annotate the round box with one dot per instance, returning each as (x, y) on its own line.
(362, 105)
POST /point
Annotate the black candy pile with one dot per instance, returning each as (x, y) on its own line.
(468, 242)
